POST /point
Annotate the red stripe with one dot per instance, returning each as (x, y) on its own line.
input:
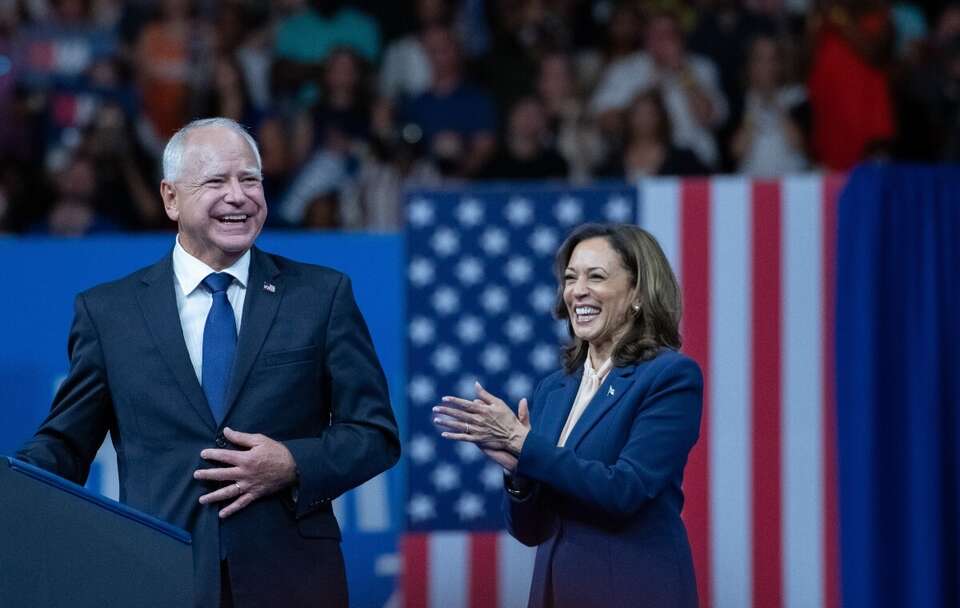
(415, 567)
(483, 570)
(695, 272)
(831, 516)
(766, 333)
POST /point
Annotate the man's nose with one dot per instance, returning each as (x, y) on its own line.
(234, 192)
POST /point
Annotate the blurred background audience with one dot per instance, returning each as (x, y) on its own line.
(352, 102)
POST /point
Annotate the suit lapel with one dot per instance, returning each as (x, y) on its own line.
(558, 406)
(158, 302)
(609, 393)
(262, 300)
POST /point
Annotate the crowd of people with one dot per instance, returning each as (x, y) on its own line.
(352, 102)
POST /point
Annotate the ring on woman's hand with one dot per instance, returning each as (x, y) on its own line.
(237, 483)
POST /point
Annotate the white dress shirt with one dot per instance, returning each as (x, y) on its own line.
(194, 300)
(589, 384)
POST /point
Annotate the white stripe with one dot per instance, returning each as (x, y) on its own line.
(447, 580)
(514, 571)
(730, 280)
(660, 214)
(802, 447)
(373, 511)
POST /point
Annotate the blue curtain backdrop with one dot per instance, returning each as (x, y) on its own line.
(898, 362)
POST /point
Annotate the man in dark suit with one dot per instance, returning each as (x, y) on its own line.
(220, 336)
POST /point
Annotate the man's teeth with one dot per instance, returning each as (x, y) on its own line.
(234, 218)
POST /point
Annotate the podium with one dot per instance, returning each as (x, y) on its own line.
(61, 545)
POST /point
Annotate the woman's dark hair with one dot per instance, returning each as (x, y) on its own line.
(656, 324)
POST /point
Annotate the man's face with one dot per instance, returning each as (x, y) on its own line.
(217, 200)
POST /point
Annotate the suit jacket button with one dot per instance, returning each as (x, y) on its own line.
(221, 442)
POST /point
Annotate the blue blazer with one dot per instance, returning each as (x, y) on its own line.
(604, 511)
(305, 374)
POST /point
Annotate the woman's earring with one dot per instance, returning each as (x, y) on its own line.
(636, 308)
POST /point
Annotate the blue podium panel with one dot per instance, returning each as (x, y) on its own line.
(64, 546)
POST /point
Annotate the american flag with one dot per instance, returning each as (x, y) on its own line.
(755, 261)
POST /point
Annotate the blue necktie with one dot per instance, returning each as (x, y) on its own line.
(219, 344)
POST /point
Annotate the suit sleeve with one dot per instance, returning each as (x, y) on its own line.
(68, 439)
(662, 433)
(529, 519)
(362, 439)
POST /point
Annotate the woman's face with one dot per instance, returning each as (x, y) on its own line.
(598, 293)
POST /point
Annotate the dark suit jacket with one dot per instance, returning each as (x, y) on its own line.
(305, 374)
(605, 509)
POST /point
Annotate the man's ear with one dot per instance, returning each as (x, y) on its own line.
(170, 203)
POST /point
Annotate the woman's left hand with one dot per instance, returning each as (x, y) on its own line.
(486, 421)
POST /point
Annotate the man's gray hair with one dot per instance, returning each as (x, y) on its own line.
(173, 152)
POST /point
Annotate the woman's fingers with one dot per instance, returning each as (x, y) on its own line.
(523, 413)
(458, 414)
(487, 396)
(470, 406)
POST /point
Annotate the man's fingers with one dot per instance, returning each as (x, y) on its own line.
(236, 505)
(247, 440)
(218, 474)
(233, 457)
(224, 493)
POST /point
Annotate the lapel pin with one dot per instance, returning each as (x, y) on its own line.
(610, 391)
(269, 287)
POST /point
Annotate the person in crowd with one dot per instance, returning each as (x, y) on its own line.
(306, 38)
(620, 37)
(240, 418)
(849, 85)
(689, 84)
(405, 70)
(456, 119)
(527, 151)
(171, 67)
(649, 149)
(594, 466)
(577, 139)
(74, 212)
(769, 139)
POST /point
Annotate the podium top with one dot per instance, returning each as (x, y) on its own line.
(79, 491)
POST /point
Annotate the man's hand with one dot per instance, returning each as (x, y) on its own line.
(264, 468)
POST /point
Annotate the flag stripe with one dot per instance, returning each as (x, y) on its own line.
(802, 447)
(483, 570)
(660, 216)
(728, 394)
(695, 269)
(515, 571)
(448, 584)
(766, 394)
(415, 567)
(831, 558)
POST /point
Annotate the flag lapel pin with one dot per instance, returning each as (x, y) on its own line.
(270, 287)
(611, 392)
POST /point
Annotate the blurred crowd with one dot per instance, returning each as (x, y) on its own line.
(352, 102)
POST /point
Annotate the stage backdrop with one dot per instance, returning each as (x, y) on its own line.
(40, 278)
(755, 260)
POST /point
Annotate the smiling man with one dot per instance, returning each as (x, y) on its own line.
(241, 389)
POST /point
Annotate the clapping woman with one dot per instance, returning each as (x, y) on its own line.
(593, 467)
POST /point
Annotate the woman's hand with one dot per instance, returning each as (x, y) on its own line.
(486, 421)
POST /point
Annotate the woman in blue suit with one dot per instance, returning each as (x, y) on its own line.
(594, 467)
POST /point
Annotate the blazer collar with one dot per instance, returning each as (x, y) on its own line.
(261, 302)
(158, 302)
(560, 402)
